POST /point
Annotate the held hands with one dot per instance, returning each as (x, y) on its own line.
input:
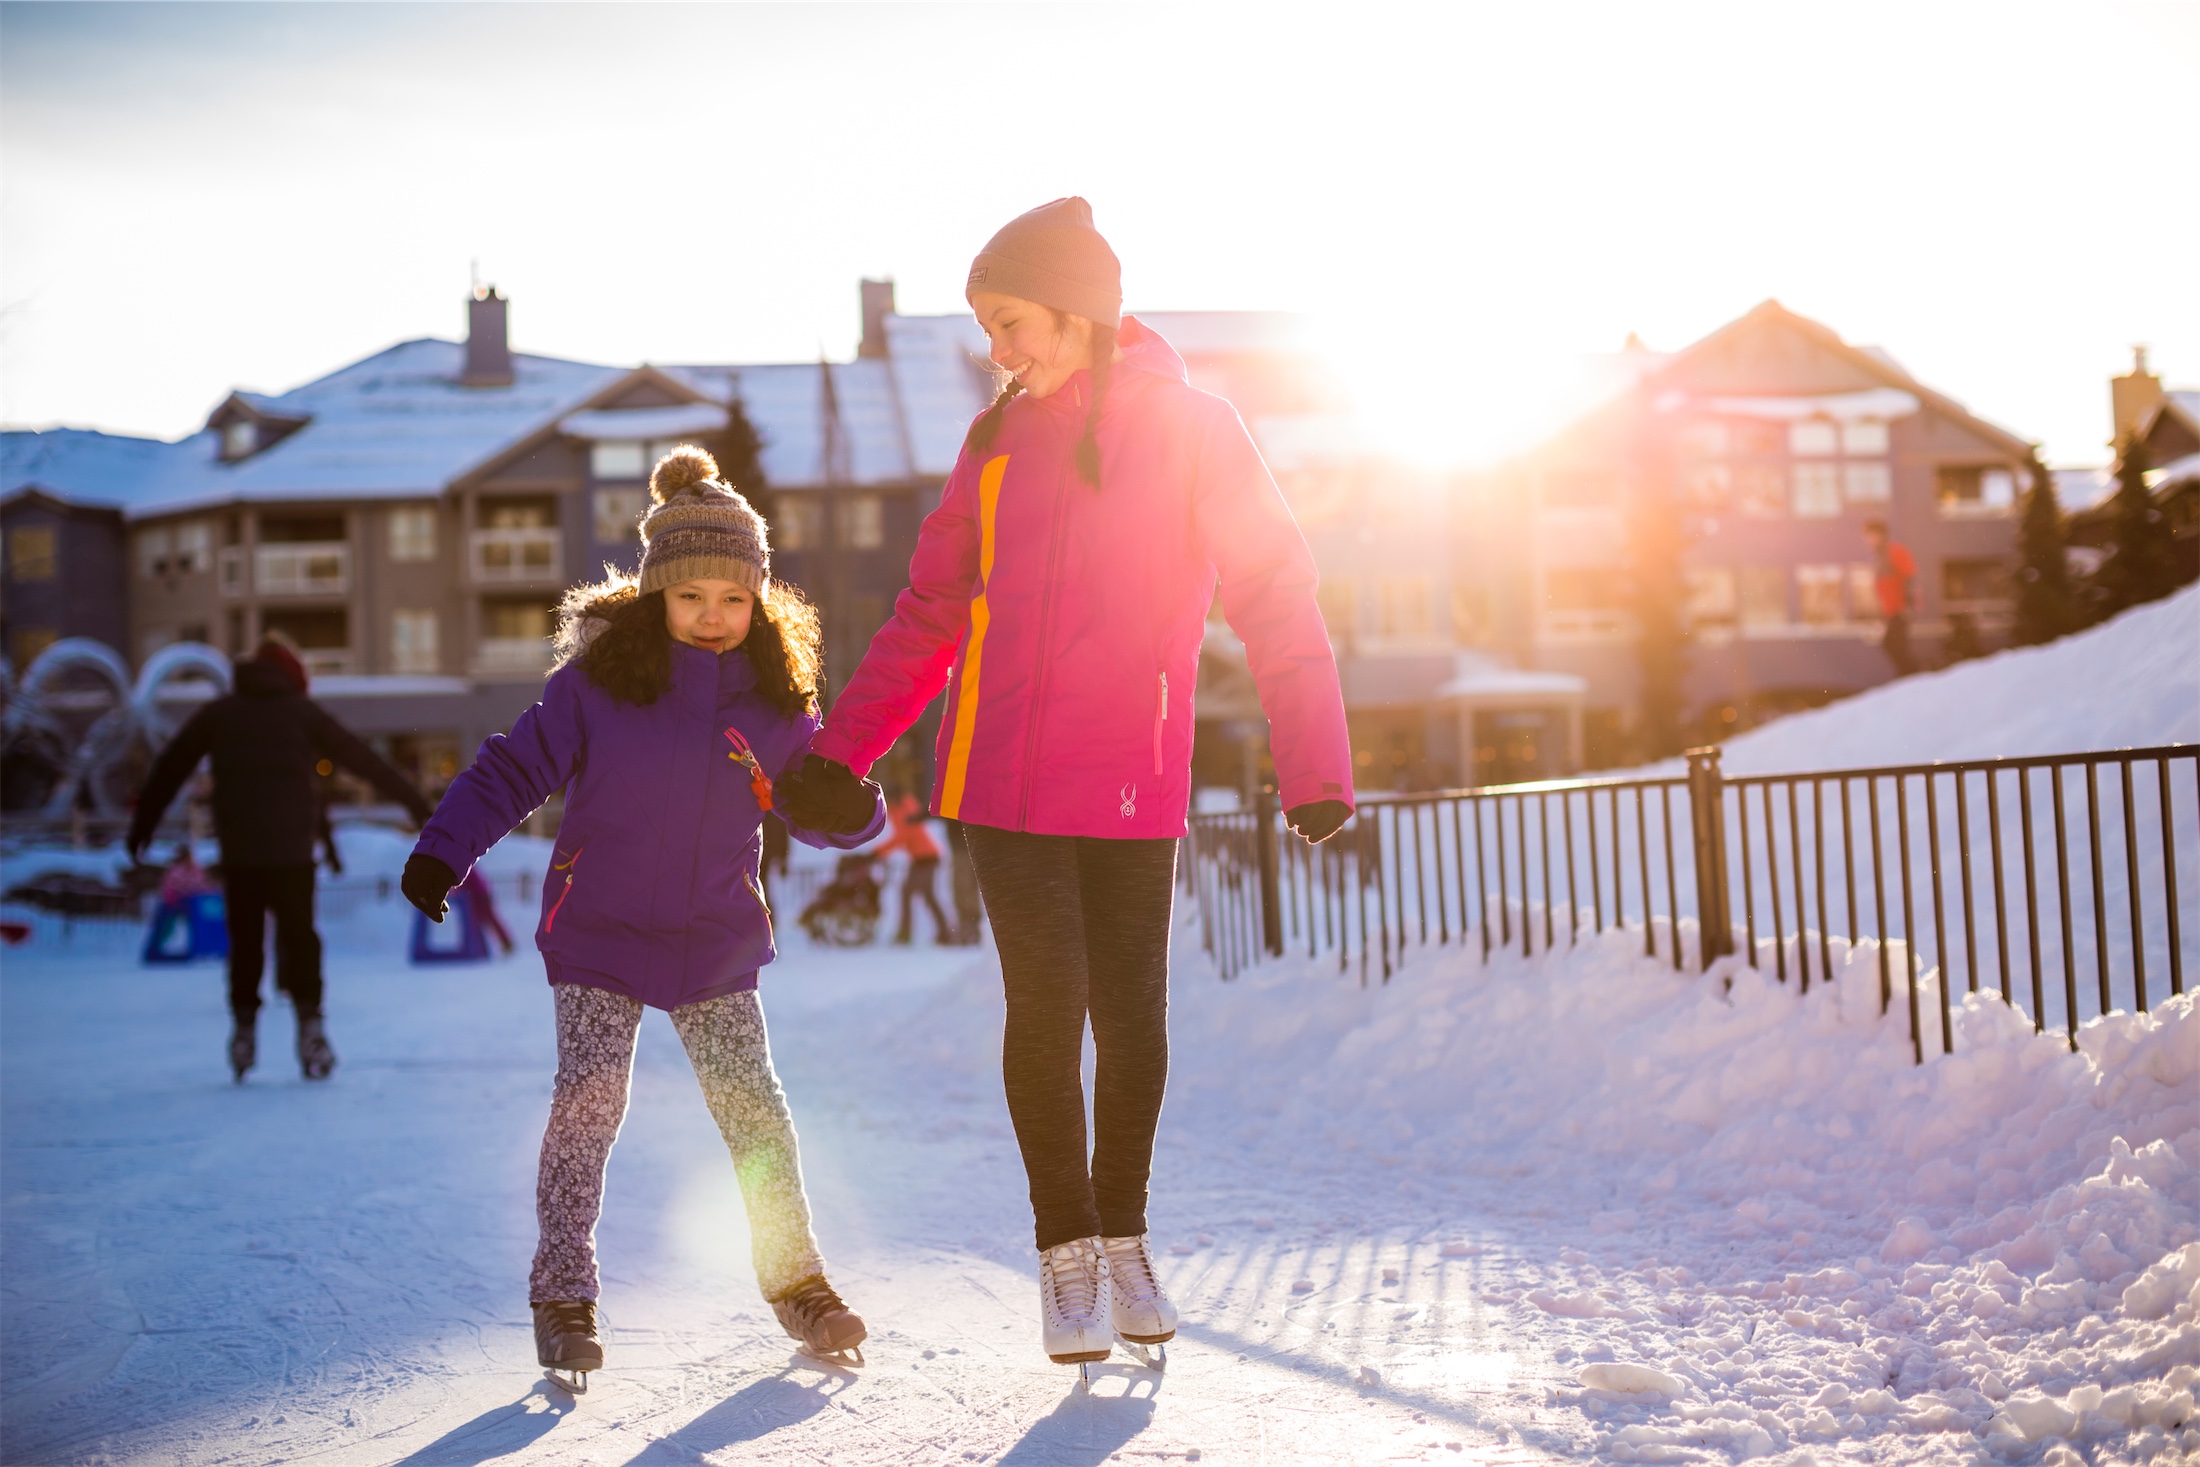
(425, 884)
(824, 795)
(1318, 820)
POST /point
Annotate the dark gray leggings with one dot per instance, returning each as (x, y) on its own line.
(1082, 925)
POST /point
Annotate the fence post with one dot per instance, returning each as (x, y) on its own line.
(1264, 854)
(1707, 821)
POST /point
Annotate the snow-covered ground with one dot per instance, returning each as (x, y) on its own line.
(1575, 1208)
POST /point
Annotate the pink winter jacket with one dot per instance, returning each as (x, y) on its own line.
(1071, 616)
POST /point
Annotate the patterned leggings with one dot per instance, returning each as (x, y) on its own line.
(725, 1042)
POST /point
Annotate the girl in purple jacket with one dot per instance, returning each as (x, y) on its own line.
(1059, 595)
(679, 694)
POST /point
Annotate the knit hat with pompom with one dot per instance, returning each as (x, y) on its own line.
(699, 528)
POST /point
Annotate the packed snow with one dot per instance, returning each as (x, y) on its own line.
(1570, 1208)
(2132, 682)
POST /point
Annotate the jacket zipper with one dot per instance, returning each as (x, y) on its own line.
(1160, 721)
(1046, 623)
(550, 922)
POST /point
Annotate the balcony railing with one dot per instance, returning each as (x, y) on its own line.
(502, 557)
(315, 568)
(512, 656)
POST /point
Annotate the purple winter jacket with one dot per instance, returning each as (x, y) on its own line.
(652, 889)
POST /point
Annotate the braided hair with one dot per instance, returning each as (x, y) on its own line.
(1087, 452)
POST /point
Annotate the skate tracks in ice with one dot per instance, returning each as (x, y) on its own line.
(282, 1272)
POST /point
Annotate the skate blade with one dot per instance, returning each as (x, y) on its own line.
(848, 1356)
(572, 1382)
(1153, 1356)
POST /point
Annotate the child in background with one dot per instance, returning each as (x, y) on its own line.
(680, 693)
(912, 835)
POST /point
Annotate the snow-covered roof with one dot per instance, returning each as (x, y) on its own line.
(2184, 470)
(2077, 489)
(101, 470)
(675, 421)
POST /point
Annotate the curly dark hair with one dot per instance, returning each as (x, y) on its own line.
(618, 637)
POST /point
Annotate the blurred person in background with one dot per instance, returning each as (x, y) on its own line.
(912, 834)
(1894, 577)
(267, 739)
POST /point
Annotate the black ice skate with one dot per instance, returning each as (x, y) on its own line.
(827, 1328)
(244, 1048)
(565, 1343)
(315, 1058)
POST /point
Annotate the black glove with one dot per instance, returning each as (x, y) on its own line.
(824, 795)
(425, 883)
(1318, 820)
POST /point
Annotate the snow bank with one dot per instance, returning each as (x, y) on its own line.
(2127, 683)
(1771, 1229)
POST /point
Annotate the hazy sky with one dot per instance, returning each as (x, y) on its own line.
(194, 198)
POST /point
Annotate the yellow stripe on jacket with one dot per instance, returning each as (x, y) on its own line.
(981, 615)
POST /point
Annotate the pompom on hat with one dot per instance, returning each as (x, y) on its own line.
(700, 528)
(1053, 256)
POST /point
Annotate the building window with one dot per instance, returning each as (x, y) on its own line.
(1764, 596)
(194, 547)
(1864, 438)
(1755, 439)
(31, 641)
(1975, 489)
(1760, 491)
(239, 437)
(1575, 589)
(860, 521)
(515, 636)
(413, 642)
(31, 557)
(1818, 594)
(1817, 490)
(1867, 483)
(1339, 600)
(1711, 600)
(1707, 487)
(152, 552)
(1813, 438)
(323, 637)
(412, 532)
(152, 639)
(1974, 581)
(1404, 608)
(618, 515)
(798, 523)
(1864, 591)
(535, 512)
(614, 462)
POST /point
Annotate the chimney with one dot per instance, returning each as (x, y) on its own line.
(488, 352)
(2132, 398)
(878, 304)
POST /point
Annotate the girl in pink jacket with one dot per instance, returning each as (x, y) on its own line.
(1059, 594)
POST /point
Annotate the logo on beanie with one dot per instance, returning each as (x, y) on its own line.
(977, 275)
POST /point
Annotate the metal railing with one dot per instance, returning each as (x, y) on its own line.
(2057, 896)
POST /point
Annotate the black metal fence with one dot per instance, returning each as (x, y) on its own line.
(2052, 881)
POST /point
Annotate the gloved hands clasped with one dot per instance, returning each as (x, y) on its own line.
(824, 795)
(1318, 820)
(426, 883)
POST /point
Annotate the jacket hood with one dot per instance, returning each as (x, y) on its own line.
(257, 679)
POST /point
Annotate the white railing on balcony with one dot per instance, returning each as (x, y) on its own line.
(502, 556)
(512, 656)
(326, 661)
(317, 568)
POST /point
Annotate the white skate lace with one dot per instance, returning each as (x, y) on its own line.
(1073, 1279)
(1130, 1269)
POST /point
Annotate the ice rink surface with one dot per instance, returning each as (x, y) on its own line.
(1573, 1209)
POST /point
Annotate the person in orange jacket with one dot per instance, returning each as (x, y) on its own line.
(1894, 574)
(912, 835)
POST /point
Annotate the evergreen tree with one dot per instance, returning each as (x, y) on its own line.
(2142, 563)
(2047, 608)
(739, 450)
(1657, 541)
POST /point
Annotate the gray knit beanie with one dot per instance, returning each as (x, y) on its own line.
(699, 528)
(1054, 257)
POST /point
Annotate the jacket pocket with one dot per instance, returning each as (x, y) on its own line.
(1160, 718)
(550, 922)
(748, 879)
